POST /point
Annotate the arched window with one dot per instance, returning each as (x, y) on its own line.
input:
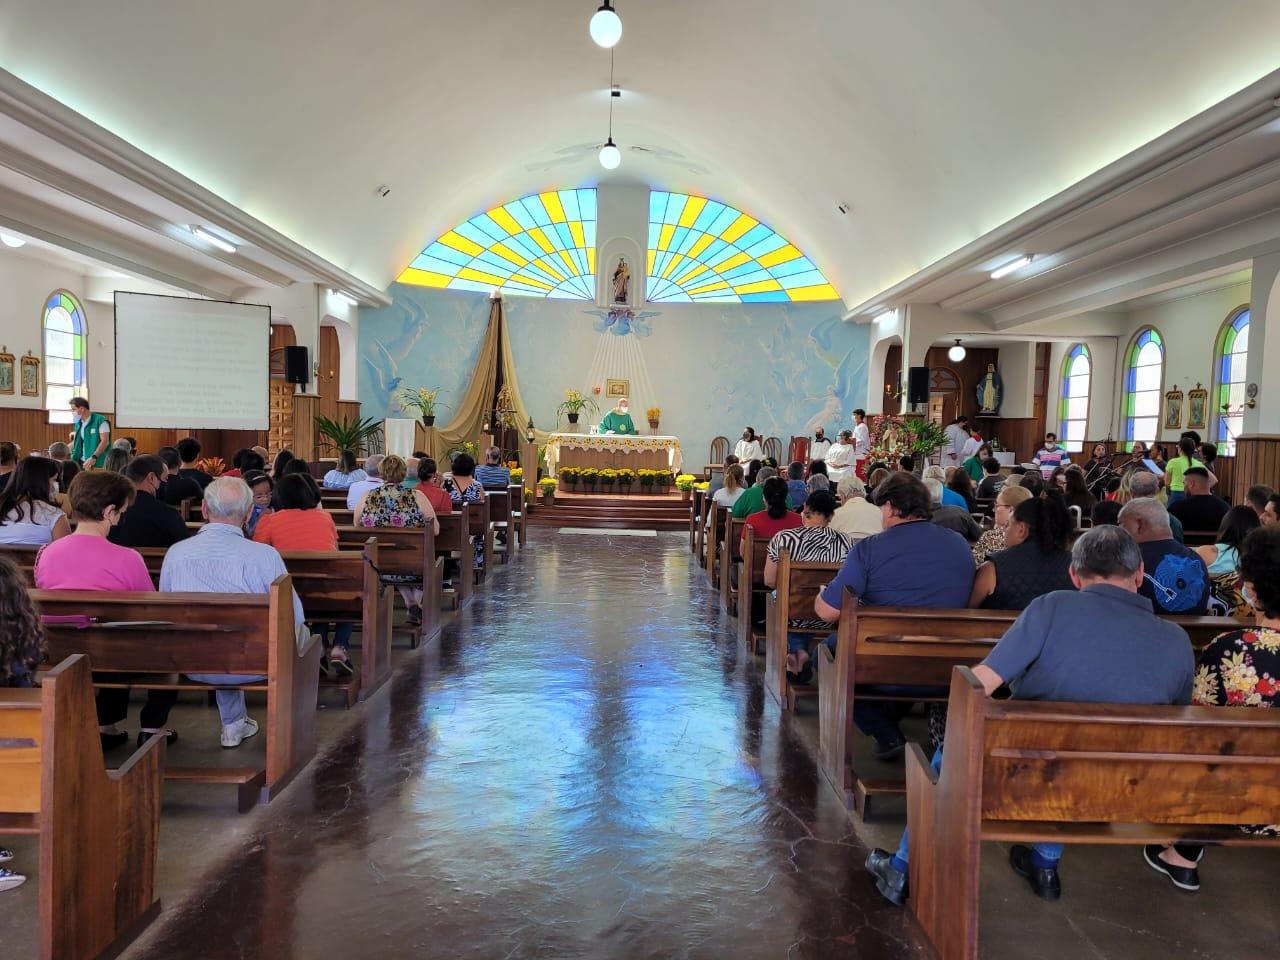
(1233, 352)
(65, 346)
(703, 250)
(542, 245)
(1143, 383)
(1074, 420)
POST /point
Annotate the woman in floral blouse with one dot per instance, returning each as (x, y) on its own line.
(1239, 669)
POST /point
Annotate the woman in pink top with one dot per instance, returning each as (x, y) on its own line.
(87, 560)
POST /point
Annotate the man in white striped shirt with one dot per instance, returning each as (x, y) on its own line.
(220, 559)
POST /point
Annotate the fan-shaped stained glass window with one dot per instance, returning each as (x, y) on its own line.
(65, 346)
(1076, 374)
(543, 245)
(702, 250)
(1233, 353)
(1143, 382)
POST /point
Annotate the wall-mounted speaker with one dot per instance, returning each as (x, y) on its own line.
(918, 385)
(296, 367)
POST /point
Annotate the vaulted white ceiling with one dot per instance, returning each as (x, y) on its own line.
(935, 122)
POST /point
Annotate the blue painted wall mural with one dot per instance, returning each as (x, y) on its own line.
(783, 368)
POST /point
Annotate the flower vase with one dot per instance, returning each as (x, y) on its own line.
(572, 417)
(428, 419)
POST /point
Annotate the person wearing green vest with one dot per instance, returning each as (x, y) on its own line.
(91, 436)
(618, 420)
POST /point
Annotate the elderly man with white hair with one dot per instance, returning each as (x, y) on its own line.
(373, 468)
(950, 516)
(1176, 579)
(221, 559)
(856, 517)
(1143, 483)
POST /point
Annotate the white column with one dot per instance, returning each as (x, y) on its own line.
(1264, 347)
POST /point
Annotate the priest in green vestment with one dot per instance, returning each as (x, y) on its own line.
(618, 420)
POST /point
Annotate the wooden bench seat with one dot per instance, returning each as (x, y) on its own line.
(519, 513)
(912, 645)
(713, 539)
(755, 553)
(730, 557)
(797, 585)
(1029, 771)
(99, 830)
(499, 520)
(454, 543)
(405, 551)
(194, 633)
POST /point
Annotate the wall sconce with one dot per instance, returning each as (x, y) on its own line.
(1251, 395)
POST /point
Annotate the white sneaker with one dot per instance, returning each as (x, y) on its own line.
(5, 855)
(9, 879)
(237, 733)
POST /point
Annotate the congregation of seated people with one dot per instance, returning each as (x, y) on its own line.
(89, 523)
(1091, 554)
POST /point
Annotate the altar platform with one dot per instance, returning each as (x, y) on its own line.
(659, 511)
(616, 451)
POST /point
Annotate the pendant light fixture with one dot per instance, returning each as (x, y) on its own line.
(956, 353)
(610, 155)
(606, 26)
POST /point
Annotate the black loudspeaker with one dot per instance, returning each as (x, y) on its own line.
(296, 368)
(918, 385)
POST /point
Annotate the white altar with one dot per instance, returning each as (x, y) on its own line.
(613, 450)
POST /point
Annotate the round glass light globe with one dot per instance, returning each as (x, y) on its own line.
(956, 353)
(610, 156)
(606, 27)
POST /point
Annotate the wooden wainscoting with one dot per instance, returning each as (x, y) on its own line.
(1257, 460)
(31, 430)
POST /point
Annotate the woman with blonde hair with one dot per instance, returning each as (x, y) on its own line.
(734, 484)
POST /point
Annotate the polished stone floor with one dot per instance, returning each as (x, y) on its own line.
(587, 766)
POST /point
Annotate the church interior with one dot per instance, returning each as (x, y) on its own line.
(391, 275)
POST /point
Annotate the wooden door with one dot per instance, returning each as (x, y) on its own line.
(327, 380)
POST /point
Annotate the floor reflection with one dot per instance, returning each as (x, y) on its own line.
(585, 766)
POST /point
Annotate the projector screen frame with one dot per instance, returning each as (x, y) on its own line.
(115, 356)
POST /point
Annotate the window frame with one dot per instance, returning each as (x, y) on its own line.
(1130, 355)
(1067, 362)
(80, 388)
(1219, 353)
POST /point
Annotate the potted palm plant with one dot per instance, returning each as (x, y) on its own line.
(422, 401)
(347, 434)
(574, 403)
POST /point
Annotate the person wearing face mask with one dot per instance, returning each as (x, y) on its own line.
(618, 420)
(91, 435)
(818, 449)
(149, 522)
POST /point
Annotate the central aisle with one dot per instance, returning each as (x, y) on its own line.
(583, 767)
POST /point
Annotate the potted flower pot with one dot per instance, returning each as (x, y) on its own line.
(428, 419)
(653, 425)
(572, 417)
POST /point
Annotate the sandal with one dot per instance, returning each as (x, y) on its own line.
(342, 668)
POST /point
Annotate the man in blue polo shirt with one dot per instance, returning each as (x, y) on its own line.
(913, 563)
(493, 475)
(1066, 647)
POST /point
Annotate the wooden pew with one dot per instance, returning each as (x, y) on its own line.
(500, 520)
(479, 526)
(453, 543)
(713, 537)
(730, 556)
(411, 551)
(339, 587)
(700, 531)
(755, 551)
(99, 830)
(342, 517)
(343, 587)
(798, 584)
(173, 634)
(695, 517)
(916, 646)
(519, 512)
(1021, 771)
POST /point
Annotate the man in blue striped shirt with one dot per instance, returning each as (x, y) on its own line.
(220, 559)
(492, 474)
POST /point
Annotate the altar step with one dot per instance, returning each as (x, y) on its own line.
(638, 512)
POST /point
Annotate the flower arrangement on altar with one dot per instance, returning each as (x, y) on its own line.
(892, 436)
(685, 481)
